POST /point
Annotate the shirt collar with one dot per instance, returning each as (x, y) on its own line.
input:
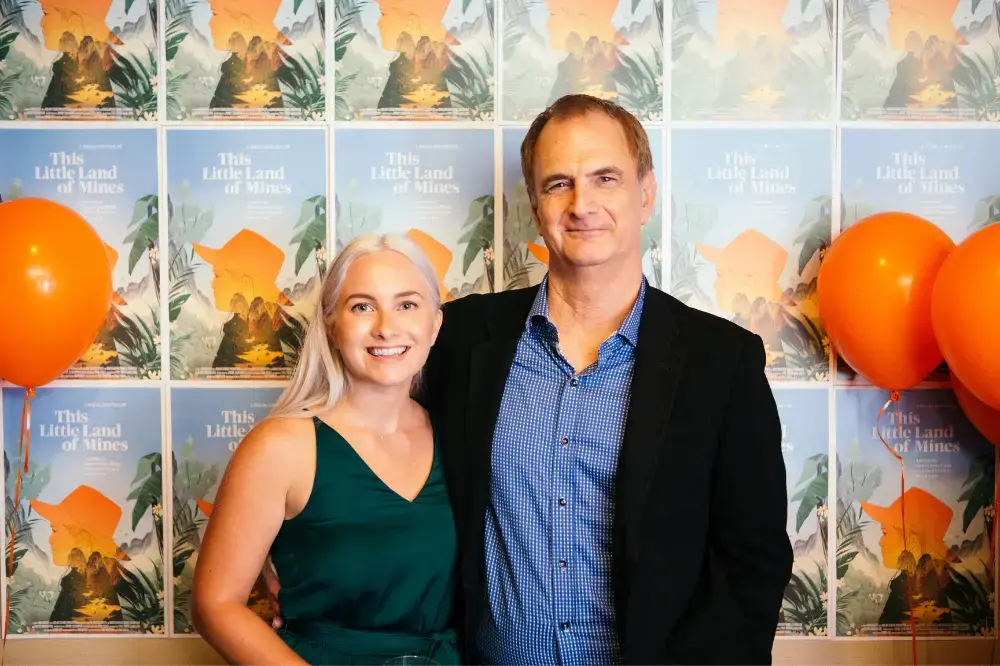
(629, 328)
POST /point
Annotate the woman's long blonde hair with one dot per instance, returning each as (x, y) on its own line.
(319, 380)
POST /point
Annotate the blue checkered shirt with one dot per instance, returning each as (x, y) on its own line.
(548, 522)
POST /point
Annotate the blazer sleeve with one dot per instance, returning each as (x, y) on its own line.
(432, 375)
(750, 503)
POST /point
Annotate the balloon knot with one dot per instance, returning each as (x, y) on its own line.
(894, 396)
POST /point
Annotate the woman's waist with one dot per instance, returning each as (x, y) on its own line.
(333, 633)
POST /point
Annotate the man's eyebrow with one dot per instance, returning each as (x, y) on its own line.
(599, 171)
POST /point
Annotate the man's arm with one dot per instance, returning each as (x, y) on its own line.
(750, 503)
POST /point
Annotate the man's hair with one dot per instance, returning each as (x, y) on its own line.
(573, 106)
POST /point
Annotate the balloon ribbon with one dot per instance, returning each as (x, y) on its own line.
(894, 400)
(24, 449)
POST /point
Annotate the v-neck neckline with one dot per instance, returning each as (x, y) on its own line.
(423, 486)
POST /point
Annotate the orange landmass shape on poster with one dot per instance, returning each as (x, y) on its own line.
(64, 21)
(751, 265)
(235, 23)
(926, 18)
(927, 521)
(205, 506)
(585, 19)
(439, 255)
(248, 264)
(85, 520)
(416, 18)
(752, 19)
(540, 252)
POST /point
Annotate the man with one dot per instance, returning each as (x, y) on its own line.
(613, 456)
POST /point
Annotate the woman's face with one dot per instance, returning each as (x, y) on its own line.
(385, 321)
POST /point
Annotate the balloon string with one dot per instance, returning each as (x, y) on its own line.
(894, 400)
(24, 449)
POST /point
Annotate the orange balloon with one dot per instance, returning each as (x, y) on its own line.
(966, 313)
(56, 289)
(874, 289)
(985, 419)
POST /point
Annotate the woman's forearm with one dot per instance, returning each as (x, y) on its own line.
(241, 636)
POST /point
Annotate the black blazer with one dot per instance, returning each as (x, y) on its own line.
(701, 556)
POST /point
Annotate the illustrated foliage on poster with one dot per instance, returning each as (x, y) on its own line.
(804, 423)
(415, 59)
(921, 60)
(79, 60)
(760, 60)
(113, 185)
(88, 554)
(751, 221)
(247, 231)
(941, 566)
(430, 185)
(246, 60)
(605, 48)
(208, 426)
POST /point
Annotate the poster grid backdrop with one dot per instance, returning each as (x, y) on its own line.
(752, 190)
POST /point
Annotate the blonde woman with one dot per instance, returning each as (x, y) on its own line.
(342, 486)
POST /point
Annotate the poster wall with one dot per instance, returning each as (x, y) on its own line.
(205, 141)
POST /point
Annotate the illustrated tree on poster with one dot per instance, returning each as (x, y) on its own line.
(805, 600)
(10, 28)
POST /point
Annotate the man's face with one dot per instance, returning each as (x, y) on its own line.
(590, 205)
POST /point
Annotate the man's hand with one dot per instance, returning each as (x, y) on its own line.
(273, 587)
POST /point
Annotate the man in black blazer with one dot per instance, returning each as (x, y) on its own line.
(613, 456)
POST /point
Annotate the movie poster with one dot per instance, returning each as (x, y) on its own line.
(943, 570)
(415, 59)
(525, 256)
(78, 60)
(805, 417)
(753, 60)
(434, 186)
(88, 557)
(109, 177)
(207, 425)
(920, 60)
(248, 248)
(751, 219)
(605, 48)
(246, 60)
(942, 175)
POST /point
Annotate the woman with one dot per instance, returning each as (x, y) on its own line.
(342, 486)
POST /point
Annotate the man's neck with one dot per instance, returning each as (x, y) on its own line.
(593, 300)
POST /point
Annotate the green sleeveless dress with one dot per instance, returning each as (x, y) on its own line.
(367, 576)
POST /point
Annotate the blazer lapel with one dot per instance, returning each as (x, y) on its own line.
(658, 363)
(489, 365)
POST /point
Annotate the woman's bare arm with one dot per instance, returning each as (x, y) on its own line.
(249, 509)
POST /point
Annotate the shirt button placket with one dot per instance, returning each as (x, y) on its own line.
(562, 519)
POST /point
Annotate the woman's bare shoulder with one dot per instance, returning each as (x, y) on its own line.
(278, 439)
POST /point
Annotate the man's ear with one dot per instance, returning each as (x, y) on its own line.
(648, 189)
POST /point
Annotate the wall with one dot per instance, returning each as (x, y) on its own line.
(774, 125)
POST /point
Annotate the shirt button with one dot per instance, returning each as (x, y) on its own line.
(562, 564)
(565, 441)
(562, 501)
(574, 382)
(564, 626)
